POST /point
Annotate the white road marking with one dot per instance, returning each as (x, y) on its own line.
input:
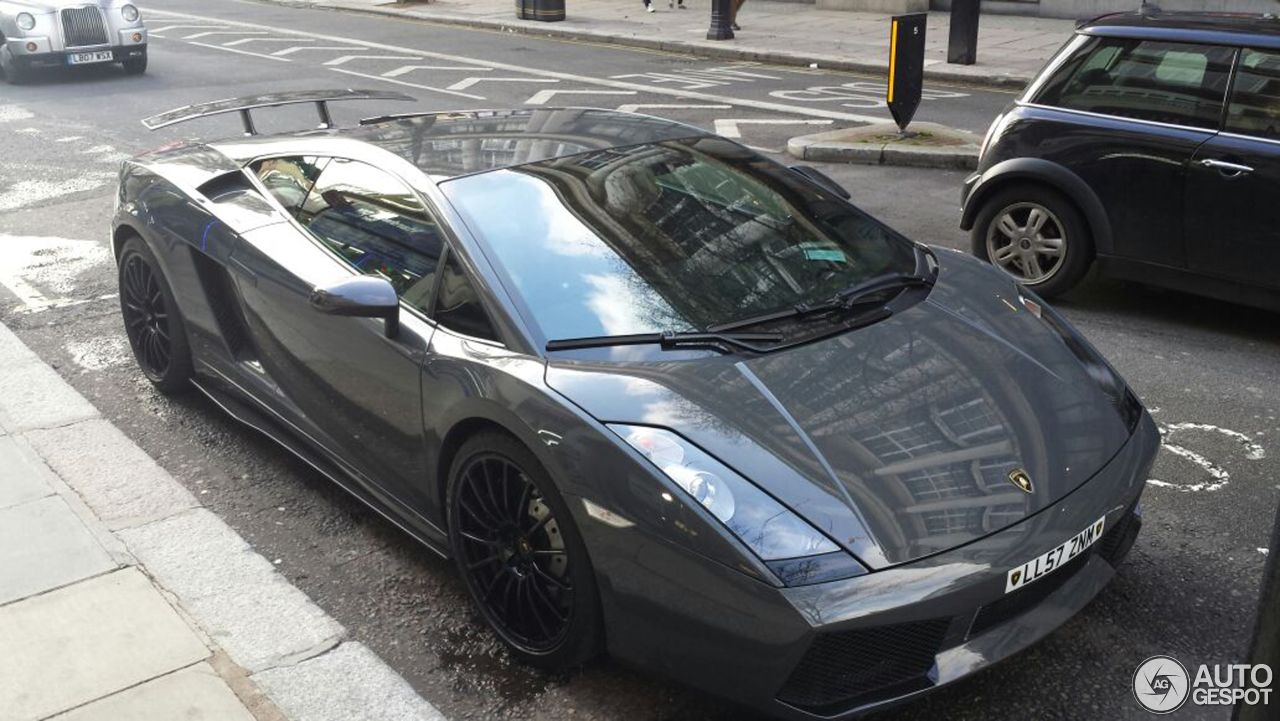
(542, 96)
(1219, 476)
(636, 107)
(238, 51)
(1253, 451)
(12, 113)
(211, 33)
(69, 139)
(468, 82)
(32, 266)
(95, 354)
(728, 127)
(413, 68)
(29, 192)
(568, 77)
(246, 41)
(348, 58)
(300, 48)
(167, 28)
(407, 84)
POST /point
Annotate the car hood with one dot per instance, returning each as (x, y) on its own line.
(897, 439)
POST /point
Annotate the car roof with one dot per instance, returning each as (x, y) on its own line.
(1215, 28)
(445, 145)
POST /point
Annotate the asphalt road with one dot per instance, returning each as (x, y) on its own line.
(1208, 370)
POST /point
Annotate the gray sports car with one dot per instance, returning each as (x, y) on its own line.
(40, 33)
(654, 392)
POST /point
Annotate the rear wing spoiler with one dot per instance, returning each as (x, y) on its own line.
(321, 98)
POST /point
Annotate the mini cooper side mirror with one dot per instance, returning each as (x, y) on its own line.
(365, 296)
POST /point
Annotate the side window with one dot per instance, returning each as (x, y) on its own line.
(1174, 83)
(458, 307)
(289, 179)
(1255, 97)
(377, 225)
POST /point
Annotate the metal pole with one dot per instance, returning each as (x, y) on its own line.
(721, 15)
(962, 46)
(1266, 632)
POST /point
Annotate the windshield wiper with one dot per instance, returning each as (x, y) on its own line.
(672, 340)
(872, 291)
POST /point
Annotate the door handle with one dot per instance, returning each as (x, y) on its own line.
(1228, 169)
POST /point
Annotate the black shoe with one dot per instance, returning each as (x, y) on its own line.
(734, 26)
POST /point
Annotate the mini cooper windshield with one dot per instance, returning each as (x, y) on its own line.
(675, 237)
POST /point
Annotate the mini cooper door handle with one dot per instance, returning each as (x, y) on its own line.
(1228, 169)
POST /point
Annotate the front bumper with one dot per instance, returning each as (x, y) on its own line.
(840, 649)
(62, 57)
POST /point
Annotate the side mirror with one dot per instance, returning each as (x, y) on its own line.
(364, 296)
(821, 179)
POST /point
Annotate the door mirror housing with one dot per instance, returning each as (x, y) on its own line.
(821, 179)
(364, 296)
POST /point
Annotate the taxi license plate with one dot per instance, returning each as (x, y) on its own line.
(1038, 568)
(86, 58)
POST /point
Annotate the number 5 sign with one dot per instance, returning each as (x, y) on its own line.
(906, 66)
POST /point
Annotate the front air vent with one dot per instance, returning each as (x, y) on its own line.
(83, 27)
(843, 670)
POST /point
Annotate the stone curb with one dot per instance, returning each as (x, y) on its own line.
(246, 616)
(808, 147)
(980, 76)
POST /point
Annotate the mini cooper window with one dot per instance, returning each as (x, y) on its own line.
(377, 225)
(457, 305)
(1174, 83)
(1255, 96)
(674, 236)
(289, 179)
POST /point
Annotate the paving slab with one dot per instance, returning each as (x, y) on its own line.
(236, 595)
(120, 482)
(194, 693)
(43, 545)
(350, 683)
(33, 395)
(68, 647)
(23, 476)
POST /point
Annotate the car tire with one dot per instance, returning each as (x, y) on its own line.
(135, 66)
(514, 539)
(156, 330)
(1037, 236)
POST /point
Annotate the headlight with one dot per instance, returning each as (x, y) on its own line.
(26, 21)
(129, 13)
(775, 534)
(1107, 378)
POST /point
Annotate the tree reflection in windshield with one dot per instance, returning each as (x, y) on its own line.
(678, 236)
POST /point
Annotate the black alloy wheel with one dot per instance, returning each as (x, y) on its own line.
(151, 320)
(523, 561)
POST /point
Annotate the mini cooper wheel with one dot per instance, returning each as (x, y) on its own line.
(1036, 236)
(523, 560)
(152, 322)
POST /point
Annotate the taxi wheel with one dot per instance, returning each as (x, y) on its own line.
(135, 66)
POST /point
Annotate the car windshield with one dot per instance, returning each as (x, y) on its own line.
(673, 236)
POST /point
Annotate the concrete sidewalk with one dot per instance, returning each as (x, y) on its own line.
(1010, 49)
(122, 598)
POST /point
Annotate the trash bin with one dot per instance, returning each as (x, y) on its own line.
(547, 11)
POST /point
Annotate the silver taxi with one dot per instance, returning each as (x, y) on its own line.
(35, 33)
